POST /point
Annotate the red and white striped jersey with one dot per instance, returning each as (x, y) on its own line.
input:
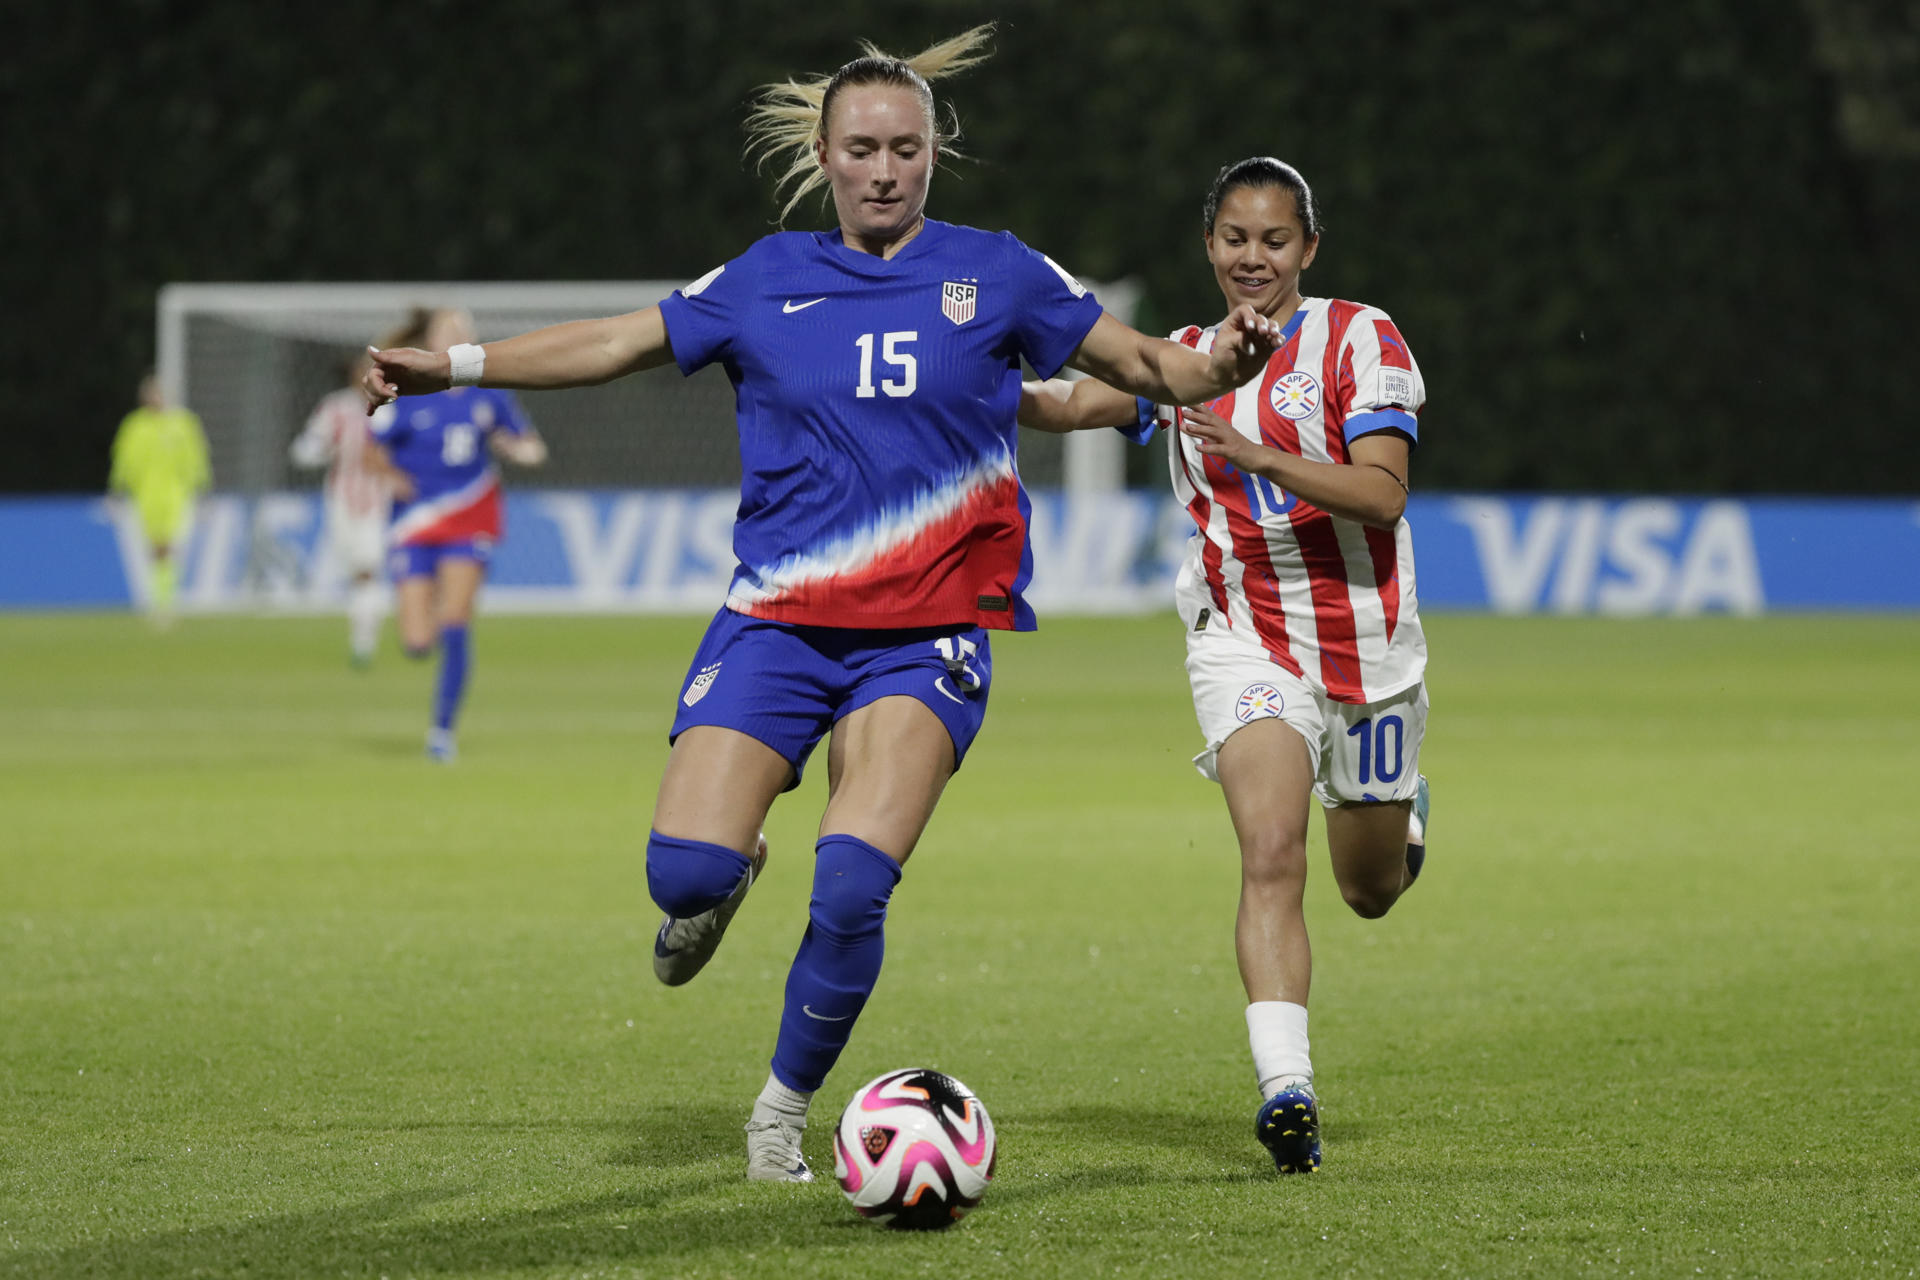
(337, 436)
(1330, 599)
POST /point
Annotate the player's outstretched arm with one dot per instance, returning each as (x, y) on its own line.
(1370, 487)
(1169, 373)
(313, 447)
(580, 353)
(1061, 405)
(380, 463)
(527, 449)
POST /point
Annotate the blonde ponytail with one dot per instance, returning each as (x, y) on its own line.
(789, 117)
(411, 332)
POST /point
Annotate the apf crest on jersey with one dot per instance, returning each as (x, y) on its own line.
(1295, 395)
(957, 300)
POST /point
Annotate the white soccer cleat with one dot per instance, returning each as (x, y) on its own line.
(1417, 830)
(682, 947)
(440, 747)
(773, 1150)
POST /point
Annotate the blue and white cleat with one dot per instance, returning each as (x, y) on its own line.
(440, 746)
(1417, 831)
(683, 947)
(1288, 1125)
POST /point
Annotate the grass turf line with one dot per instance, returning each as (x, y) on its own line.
(279, 998)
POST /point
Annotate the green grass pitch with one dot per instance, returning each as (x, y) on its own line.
(278, 998)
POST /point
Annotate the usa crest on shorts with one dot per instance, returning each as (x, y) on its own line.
(957, 300)
(701, 683)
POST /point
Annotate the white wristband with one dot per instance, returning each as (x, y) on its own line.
(466, 361)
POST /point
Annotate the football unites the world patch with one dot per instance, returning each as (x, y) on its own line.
(1295, 395)
(1259, 702)
(957, 299)
(1396, 387)
(702, 681)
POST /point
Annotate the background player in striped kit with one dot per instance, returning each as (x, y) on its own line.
(882, 528)
(1304, 645)
(438, 454)
(359, 495)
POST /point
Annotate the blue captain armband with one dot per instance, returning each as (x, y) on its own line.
(1145, 421)
(1382, 420)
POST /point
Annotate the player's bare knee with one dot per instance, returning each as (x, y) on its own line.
(1273, 858)
(1370, 897)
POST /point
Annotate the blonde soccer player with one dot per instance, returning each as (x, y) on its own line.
(1304, 645)
(160, 465)
(882, 531)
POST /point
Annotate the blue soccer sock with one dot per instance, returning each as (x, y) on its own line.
(838, 961)
(687, 877)
(453, 676)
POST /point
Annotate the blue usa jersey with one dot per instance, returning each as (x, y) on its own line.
(876, 401)
(440, 441)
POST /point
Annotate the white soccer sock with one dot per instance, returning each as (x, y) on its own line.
(366, 605)
(1277, 1031)
(776, 1097)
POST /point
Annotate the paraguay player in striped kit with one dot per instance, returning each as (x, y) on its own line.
(882, 531)
(359, 494)
(1304, 646)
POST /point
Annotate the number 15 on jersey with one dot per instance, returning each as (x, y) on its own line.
(893, 352)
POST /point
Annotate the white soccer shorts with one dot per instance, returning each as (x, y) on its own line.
(359, 540)
(1359, 753)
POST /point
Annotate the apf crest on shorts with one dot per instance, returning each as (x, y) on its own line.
(702, 682)
(957, 300)
(1259, 702)
(1295, 395)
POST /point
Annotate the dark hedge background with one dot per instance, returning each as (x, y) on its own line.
(1662, 246)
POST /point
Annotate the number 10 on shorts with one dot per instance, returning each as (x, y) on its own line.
(1382, 744)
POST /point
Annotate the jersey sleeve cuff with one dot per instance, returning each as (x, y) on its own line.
(678, 316)
(1383, 420)
(1052, 361)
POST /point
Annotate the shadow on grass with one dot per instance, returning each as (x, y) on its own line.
(388, 747)
(1220, 1128)
(691, 1202)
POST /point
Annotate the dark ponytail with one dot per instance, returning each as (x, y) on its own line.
(1263, 171)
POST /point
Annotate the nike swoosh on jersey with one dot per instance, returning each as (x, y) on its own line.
(789, 308)
(821, 1017)
(940, 683)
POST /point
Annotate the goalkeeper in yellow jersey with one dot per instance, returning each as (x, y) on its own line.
(160, 462)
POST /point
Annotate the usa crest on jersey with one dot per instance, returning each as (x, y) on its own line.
(957, 300)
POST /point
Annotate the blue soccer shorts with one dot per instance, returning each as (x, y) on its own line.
(423, 561)
(787, 685)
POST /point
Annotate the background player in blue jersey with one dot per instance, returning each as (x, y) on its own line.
(882, 529)
(446, 512)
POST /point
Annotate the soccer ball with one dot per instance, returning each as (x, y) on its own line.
(914, 1149)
